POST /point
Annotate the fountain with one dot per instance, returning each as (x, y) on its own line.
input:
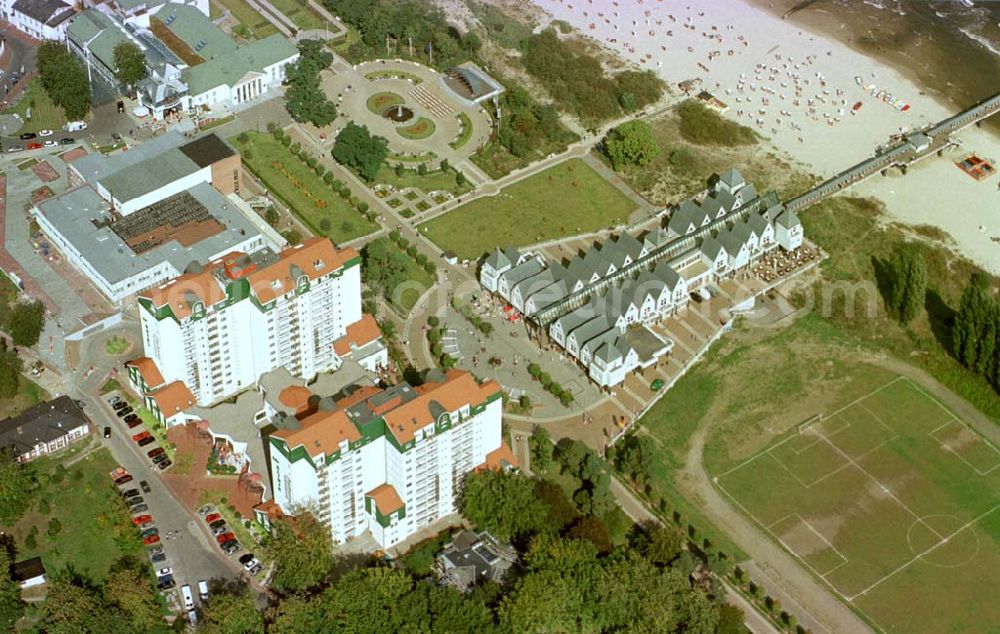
(398, 113)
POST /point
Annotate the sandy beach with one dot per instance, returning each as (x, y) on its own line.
(799, 89)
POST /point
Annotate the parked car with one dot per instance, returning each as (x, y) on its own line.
(160, 457)
(245, 557)
(155, 452)
(15, 148)
(216, 524)
(155, 550)
(107, 432)
(114, 400)
(130, 493)
(252, 563)
(119, 403)
(221, 530)
(67, 141)
(149, 532)
(205, 510)
(133, 421)
(45, 133)
(133, 503)
(203, 590)
(165, 584)
(212, 517)
(152, 539)
(125, 411)
(51, 143)
(138, 520)
(165, 571)
(225, 537)
(121, 107)
(141, 435)
(230, 547)
(145, 441)
(253, 571)
(158, 558)
(123, 480)
(144, 485)
(146, 526)
(34, 146)
(163, 465)
(28, 135)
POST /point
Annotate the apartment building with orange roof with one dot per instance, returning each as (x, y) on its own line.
(387, 461)
(218, 327)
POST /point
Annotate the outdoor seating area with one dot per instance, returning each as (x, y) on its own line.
(779, 263)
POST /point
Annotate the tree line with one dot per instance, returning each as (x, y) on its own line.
(579, 84)
(305, 100)
(64, 78)
(399, 24)
(975, 329)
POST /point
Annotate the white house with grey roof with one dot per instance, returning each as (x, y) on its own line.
(40, 19)
(497, 263)
(597, 304)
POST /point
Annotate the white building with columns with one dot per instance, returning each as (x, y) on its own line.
(390, 461)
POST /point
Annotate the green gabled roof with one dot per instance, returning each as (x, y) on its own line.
(196, 30)
(229, 69)
(88, 24)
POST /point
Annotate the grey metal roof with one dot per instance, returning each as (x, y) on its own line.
(229, 69)
(75, 213)
(581, 315)
(195, 29)
(665, 272)
(631, 245)
(590, 329)
(521, 271)
(96, 166)
(710, 247)
(732, 178)
(143, 177)
(788, 219)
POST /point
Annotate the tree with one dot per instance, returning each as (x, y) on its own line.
(232, 611)
(130, 64)
(26, 321)
(443, 166)
(11, 606)
(503, 503)
(593, 530)
(55, 526)
(73, 605)
(302, 552)
(631, 143)
(400, 170)
(909, 282)
(975, 331)
(662, 544)
(305, 100)
(11, 366)
(128, 587)
(64, 79)
(271, 216)
(541, 448)
(358, 149)
(422, 169)
(560, 511)
(459, 179)
(15, 487)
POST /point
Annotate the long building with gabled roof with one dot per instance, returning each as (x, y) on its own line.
(596, 304)
(390, 461)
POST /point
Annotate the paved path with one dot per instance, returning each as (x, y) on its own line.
(637, 510)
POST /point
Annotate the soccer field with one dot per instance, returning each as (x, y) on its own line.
(893, 502)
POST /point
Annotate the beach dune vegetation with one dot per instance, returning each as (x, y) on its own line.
(702, 126)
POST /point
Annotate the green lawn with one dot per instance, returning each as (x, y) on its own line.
(431, 181)
(420, 129)
(291, 180)
(417, 281)
(45, 115)
(566, 199)
(301, 14)
(257, 27)
(466, 133)
(96, 529)
(378, 102)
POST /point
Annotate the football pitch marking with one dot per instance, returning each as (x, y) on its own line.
(812, 426)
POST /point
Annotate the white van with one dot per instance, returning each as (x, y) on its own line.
(75, 126)
(203, 590)
(186, 595)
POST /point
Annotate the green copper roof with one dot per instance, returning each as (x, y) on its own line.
(196, 30)
(229, 69)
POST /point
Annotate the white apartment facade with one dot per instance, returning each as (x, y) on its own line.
(218, 329)
(389, 461)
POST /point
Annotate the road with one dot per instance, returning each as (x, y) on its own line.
(192, 555)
